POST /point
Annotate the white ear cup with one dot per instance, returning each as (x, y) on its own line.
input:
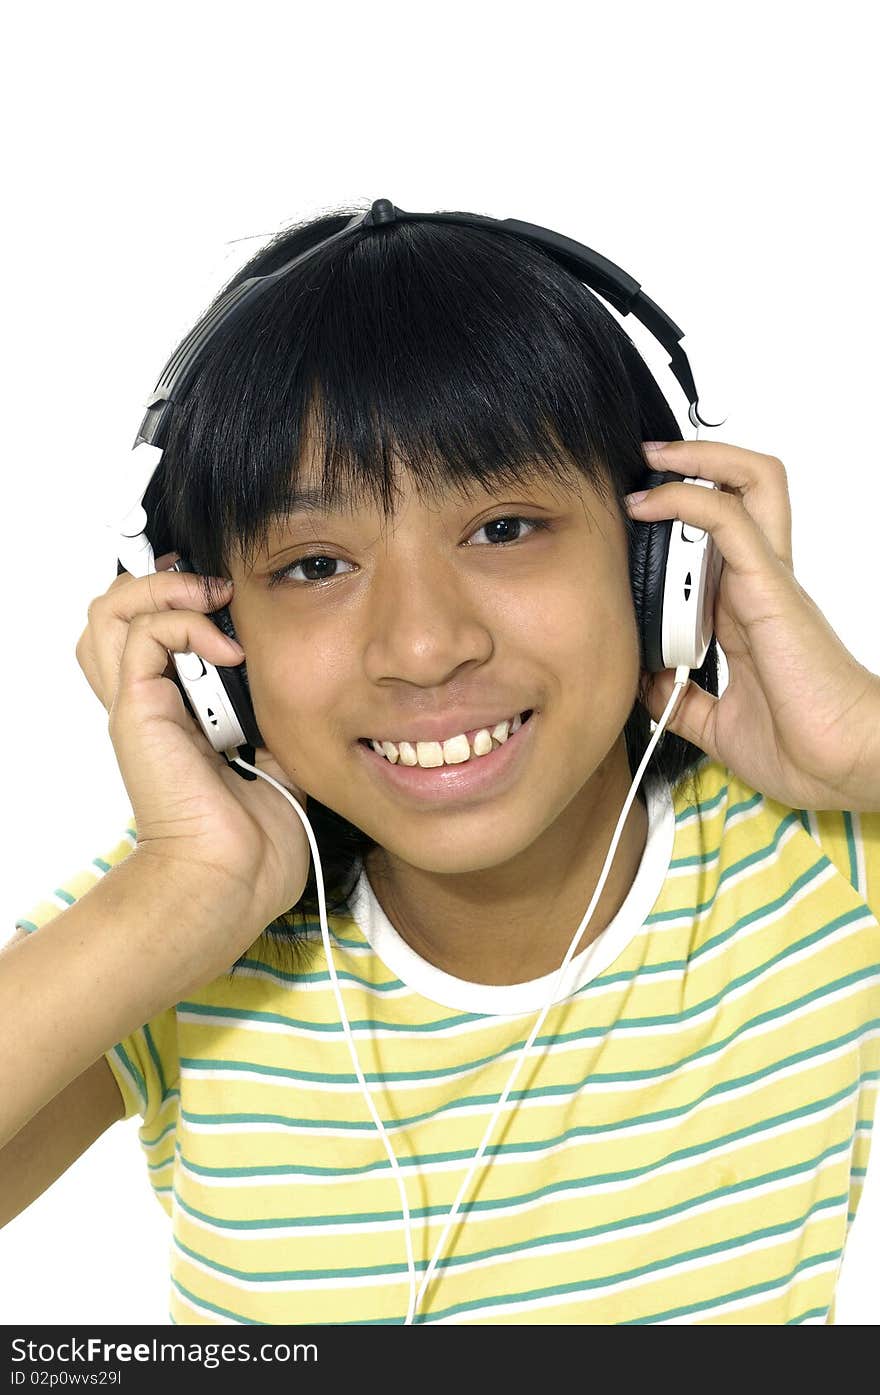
(128, 517)
(693, 570)
(210, 701)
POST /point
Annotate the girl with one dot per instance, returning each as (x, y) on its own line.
(409, 465)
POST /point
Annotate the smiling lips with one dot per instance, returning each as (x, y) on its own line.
(454, 751)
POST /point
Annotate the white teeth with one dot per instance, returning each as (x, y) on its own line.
(407, 754)
(429, 753)
(454, 751)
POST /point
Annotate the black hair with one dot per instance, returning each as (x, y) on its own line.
(462, 354)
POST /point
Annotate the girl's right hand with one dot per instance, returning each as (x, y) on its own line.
(235, 842)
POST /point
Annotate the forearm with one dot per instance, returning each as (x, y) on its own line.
(88, 978)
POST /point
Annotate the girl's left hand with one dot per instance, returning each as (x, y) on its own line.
(799, 719)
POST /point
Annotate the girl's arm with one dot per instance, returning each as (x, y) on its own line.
(56, 1136)
(128, 949)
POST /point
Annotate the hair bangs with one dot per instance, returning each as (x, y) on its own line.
(462, 357)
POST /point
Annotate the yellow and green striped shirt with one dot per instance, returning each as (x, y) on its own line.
(687, 1142)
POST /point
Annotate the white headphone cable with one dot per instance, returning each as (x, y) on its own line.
(682, 674)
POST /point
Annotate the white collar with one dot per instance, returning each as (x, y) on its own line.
(439, 987)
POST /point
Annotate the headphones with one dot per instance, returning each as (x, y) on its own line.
(674, 567)
(674, 573)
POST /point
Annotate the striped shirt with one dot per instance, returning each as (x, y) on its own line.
(687, 1142)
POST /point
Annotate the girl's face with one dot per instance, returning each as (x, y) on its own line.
(451, 616)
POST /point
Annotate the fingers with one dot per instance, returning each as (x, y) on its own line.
(151, 637)
(745, 549)
(693, 717)
(758, 481)
(127, 595)
(110, 616)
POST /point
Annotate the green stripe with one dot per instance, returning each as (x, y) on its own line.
(731, 1297)
(853, 856)
(582, 1285)
(99, 862)
(296, 1023)
(589, 1232)
(285, 976)
(213, 1307)
(704, 805)
(811, 1312)
(123, 1055)
(312, 929)
(810, 874)
(64, 895)
(420, 1159)
(704, 858)
(151, 1142)
(851, 843)
(655, 1317)
(157, 1061)
(341, 940)
(694, 860)
(551, 1189)
(210, 1064)
(758, 856)
(26, 925)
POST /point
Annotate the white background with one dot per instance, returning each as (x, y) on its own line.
(719, 153)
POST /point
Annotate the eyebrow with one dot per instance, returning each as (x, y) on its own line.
(311, 499)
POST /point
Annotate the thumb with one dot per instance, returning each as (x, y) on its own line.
(693, 717)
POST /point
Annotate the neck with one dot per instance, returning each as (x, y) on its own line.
(514, 922)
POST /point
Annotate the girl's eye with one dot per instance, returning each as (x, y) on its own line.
(506, 520)
(319, 564)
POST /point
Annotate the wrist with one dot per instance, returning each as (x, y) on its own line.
(859, 789)
(870, 794)
(194, 922)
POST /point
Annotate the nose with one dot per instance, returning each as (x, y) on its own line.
(425, 623)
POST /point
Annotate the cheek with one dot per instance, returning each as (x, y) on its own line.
(586, 633)
(295, 692)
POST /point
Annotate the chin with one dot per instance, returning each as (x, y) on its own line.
(461, 856)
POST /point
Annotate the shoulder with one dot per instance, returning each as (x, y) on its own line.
(720, 807)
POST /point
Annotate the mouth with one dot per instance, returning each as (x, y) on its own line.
(473, 777)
